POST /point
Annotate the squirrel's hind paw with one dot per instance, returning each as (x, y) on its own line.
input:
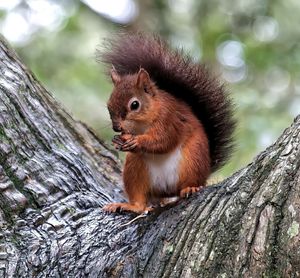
(119, 207)
(187, 191)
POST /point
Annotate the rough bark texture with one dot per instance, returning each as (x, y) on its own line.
(55, 175)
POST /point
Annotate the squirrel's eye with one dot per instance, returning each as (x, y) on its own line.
(134, 105)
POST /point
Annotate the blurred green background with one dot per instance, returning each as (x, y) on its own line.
(254, 45)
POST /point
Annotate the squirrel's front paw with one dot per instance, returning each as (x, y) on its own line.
(118, 141)
(130, 145)
(125, 143)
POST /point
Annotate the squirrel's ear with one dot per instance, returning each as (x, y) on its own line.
(115, 77)
(143, 79)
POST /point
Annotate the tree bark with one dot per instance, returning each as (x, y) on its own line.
(55, 175)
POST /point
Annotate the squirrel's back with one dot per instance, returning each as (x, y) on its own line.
(176, 73)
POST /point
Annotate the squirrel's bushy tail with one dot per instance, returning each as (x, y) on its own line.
(176, 73)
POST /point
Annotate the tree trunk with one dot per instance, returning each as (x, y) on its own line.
(55, 175)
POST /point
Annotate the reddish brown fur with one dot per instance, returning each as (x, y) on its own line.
(167, 123)
(177, 73)
(181, 105)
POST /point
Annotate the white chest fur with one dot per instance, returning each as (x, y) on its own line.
(164, 170)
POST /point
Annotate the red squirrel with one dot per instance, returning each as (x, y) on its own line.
(175, 120)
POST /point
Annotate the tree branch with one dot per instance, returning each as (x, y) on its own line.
(55, 175)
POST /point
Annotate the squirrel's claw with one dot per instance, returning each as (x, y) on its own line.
(120, 207)
(130, 145)
(117, 142)
(124, 143)
(117, 139)
(187, 191)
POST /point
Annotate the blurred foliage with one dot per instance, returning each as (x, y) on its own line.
(252, 44)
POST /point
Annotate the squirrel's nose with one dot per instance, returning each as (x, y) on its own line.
(117, 128)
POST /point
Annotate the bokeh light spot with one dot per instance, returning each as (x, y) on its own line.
(120, 11)
(265, 28)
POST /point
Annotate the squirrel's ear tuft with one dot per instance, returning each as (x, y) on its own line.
(115, 77)
(143, 79)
